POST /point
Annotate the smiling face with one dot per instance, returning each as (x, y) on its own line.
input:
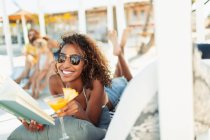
(70, 72)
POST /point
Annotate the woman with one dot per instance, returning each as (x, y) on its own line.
(31, 54)
(42, 71)
(81, 66)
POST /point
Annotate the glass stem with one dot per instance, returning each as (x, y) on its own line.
(62, 127)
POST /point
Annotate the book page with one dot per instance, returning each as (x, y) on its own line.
(10, 89)
(19, 103)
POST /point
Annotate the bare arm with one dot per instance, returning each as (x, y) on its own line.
(94, 106)
(95, 102)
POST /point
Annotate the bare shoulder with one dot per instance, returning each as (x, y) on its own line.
(97, 86)
(55, 84)
(53, 78)
(97, 83)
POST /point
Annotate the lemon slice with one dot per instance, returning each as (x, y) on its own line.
(69, 94)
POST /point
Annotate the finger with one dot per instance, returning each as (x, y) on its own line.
(40, 127)
(65, 113)
(54, 115)
(32, 122)
(64, 109)
(20, 119)
(30, 127)
(70, 109)
(25, 124)
(61, 114)
(68, 112)
(33, 127)
(36, 126)
(67, 107)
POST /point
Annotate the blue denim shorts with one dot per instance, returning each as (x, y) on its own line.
(115, 91)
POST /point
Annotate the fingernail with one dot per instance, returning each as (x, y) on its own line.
(40, 126)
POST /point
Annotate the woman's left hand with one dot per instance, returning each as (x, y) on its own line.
(72, 108)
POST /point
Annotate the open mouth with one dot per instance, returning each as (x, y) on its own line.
(66, 72)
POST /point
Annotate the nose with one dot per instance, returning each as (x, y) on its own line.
(67, 62)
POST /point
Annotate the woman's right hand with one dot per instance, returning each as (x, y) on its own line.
(33, 126)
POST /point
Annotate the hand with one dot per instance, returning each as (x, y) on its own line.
(32, 126)
(72, 108)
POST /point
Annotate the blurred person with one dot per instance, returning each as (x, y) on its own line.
(81, 66)
(42, 71)
(31, 55)
(51, 44)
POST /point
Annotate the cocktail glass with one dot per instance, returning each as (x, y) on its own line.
(56, 102)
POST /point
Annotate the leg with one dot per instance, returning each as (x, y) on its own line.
(115, 91)
(32, 76)
(33, 87)
(112, 35)
(39, 84)
(124, 38)
(122, 68)
(30, 81)
(118, 72)
(25, 72)
(33, 83)
(36, 94)
(43, 85)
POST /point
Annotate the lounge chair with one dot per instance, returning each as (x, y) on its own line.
(139, 92)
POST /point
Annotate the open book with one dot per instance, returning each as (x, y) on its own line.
(16, 101)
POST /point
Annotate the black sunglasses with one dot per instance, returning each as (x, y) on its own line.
(74, 59)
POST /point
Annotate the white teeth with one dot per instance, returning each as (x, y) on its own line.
(66, 72)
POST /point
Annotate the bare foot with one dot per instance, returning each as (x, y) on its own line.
(124, 37)
(18, 80)
(112, 35)
(27, 86)
(35, 94)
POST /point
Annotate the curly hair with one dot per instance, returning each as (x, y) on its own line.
(96, 65)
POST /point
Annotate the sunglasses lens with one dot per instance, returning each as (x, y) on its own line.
(61, 58)
(75, 59)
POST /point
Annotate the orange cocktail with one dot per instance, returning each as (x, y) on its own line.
(57, 103)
